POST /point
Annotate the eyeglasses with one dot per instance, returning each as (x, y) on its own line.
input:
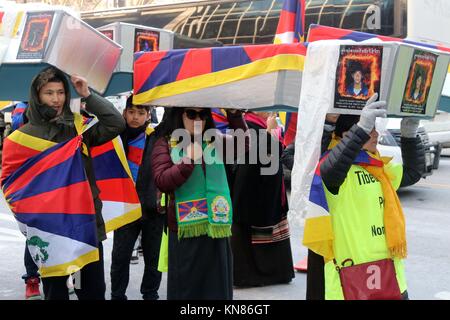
(192, 114)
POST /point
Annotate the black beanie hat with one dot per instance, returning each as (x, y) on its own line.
(344, 123)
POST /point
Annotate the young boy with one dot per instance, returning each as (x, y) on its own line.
(138, 143)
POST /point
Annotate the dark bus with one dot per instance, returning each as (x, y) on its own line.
(239, 22)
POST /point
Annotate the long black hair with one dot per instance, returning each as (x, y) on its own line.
(173, 119)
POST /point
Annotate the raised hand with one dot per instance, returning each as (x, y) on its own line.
(371, 112)
(81, 86)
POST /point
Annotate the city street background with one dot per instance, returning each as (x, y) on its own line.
(426, 207)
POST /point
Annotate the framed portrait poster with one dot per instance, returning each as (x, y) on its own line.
(146, 40)
(358, 75)
(35, 35)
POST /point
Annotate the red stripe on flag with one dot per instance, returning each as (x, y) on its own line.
(286, 22)
(120, 190)
(196, 62)
(443, 48)
(96, 151)
(51, 160)
(14, 155)
(135, 155)
(267, 51)
(73, 199)
(291, 129)
(145, 64)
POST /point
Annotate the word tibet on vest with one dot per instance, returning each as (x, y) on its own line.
(365, 178)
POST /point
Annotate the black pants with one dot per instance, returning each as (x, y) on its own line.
(92, 283)
(124, 240)
(315, 278)
(31, 268)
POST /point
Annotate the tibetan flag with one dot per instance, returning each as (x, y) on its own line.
(18, 114)
(220, 120)
(117, 191)
(46, 187)
(291, 26)
(290, 126)
(318, 32)
(291, 29)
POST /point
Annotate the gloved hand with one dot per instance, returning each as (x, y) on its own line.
(370, 112)
(408, 127)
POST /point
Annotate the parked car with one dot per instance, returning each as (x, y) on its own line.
(432, 150)
(438, 129)
(388, 147)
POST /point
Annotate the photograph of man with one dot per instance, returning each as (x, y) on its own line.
(357, 86)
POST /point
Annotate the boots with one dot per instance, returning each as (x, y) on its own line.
(32, 291)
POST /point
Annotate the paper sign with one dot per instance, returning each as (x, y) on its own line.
(108, 33)
(146, 40)
(418, 85)
(35, 35)
(358, 75)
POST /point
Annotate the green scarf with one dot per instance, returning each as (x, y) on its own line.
(203, 202)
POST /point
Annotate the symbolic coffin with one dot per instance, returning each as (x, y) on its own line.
(410, 76)
(135, 38)
(245, 77)
(34, 39)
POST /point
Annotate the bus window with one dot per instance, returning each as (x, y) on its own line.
(255, 22)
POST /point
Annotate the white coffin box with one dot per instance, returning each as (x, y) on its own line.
(132, 38)
(135, 38)
(40, 38)
(393, 70)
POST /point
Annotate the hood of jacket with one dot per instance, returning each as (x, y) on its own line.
(39, 114)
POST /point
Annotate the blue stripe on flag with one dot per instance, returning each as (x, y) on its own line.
(80, 227)
(224, 58)
(108, 166)
(62, 175)
(29, 163)
(172, 61)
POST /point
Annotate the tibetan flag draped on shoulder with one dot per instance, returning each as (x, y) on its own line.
(291, 26)
(117, 191)
(46, 187)
(120, 202)
(318, 231)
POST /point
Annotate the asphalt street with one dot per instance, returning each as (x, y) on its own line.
(426, 206)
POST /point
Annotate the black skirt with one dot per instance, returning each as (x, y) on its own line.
(199, 269)
(260, 264)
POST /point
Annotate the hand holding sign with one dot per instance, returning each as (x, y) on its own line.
(81, 86)
(371, 112)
